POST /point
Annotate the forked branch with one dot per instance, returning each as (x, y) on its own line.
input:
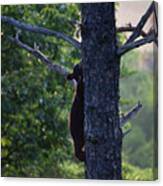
(130, 28)
(136, 33)
(34, 51)
(127, 132)
(40, 30)
(135, 44)
(132, 43)
(131, 114)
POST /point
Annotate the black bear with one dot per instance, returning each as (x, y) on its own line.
(76, 121)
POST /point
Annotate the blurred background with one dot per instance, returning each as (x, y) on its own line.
(36, 102)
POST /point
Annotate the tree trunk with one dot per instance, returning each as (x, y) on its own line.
(103, 136)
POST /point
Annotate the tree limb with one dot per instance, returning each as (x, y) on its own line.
(141, 24)
(130, 114)
(40, 30)
(135, 44)
(130, 28)
(34, 51)
(126, 132)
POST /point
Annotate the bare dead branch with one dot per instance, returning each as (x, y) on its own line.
(132, 113)
(34, 51)
(40, 30)
(126, 132)
(140, 25)
(130, 29)
(135, 44)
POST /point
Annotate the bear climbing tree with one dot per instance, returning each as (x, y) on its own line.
(76, 120)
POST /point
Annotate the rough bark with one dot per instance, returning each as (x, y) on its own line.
(103, 136)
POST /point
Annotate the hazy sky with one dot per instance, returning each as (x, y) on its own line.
(131, 12)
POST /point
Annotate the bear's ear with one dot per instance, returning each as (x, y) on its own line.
(78, 70)
(70, 77)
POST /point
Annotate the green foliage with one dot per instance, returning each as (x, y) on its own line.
(125, 71)
(121, 39)
(36, 102)
(138, 144)
(131, 172)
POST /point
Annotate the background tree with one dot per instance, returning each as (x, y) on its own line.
(39, 133)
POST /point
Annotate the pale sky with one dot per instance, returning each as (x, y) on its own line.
(131, 12)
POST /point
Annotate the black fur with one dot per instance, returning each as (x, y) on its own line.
(76, 121)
